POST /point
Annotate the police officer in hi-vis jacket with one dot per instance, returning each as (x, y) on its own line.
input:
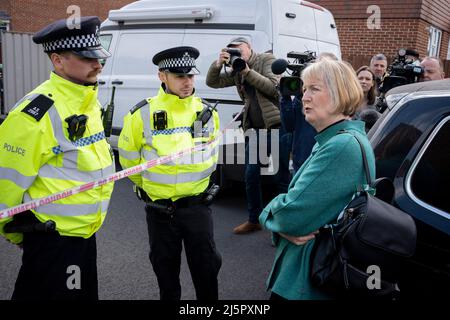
(177, 192)
(52, 140)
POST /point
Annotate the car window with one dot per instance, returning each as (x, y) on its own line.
(430, 178)
(400, 129)
(392, 150)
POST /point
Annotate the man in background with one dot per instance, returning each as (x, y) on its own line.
(432, 69)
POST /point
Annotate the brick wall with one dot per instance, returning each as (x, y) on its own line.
(357, 39)
(351, 9)
(404, 24)
(32, 15)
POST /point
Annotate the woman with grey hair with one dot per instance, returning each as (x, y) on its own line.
(324, 184)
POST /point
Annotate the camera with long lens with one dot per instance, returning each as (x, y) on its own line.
(236, 62)
(292, 84)
(402, 71)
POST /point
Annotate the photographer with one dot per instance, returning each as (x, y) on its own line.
(256, 84)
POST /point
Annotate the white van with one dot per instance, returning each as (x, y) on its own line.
(134, 33)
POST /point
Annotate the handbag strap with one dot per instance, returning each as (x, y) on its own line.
(370, 182)
(363, 152)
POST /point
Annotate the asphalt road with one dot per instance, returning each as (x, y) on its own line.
(125, 272)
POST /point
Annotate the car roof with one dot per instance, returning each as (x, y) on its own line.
(422, 86)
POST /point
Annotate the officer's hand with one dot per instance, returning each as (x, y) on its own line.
(224, 57)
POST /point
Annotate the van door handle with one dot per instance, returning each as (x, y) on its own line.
(118, 82)
(101, 82)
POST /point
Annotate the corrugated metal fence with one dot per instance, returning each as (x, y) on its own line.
(25, 66)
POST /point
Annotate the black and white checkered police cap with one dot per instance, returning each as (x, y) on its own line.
(79, 37)
(179, 60)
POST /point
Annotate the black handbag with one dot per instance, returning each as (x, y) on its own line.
(371, 234)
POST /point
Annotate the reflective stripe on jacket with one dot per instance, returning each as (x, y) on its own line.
(48, 162)
(140, 142)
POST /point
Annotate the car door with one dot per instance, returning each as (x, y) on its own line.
(423, 192)
(413, 149)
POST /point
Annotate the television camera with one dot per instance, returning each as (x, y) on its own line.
(292, 84)
(403, 70)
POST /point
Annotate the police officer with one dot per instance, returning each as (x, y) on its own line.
(175, 192)
(52, 140)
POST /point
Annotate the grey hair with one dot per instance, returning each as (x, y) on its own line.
(441, 66)
(378, 57)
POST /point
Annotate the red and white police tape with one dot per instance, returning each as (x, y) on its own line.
(9, 212)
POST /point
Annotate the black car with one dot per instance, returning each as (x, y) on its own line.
(411, 142)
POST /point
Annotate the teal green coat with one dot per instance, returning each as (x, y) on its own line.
(318, 192)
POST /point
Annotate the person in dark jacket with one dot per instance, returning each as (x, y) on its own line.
(293, 120)
(256, 86)
(367, 111)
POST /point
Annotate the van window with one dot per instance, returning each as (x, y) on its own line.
(431, 177)
(105, 41)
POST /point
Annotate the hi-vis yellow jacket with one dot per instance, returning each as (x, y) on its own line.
(37, 158)
(140, 142)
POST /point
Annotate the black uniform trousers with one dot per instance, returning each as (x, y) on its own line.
(192, 225)
(57, 267)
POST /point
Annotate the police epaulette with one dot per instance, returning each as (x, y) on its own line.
(38, 107)
(139, 105)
